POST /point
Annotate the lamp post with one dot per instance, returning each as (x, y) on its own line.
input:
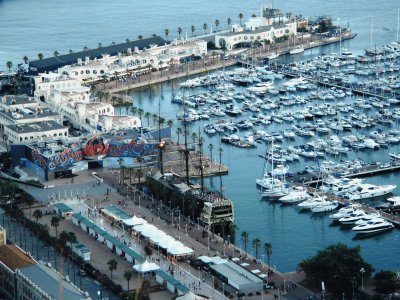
(362, 271)
(198, 223)
(208, 244)
(172, 219)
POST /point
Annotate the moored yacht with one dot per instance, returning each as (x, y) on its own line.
(373, 226)
(366, 191)
(298, 194)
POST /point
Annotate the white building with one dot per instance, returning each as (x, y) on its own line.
(74, 102)
(155, 57)
(32, 132)
(270, 26)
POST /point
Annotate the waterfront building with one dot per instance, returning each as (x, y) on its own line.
(77, 106)
(51, 64)
(32, 132)
(134, 61)
(267, 28)
(25, 120)
(39, 281)
(12, 258)
(238, 277)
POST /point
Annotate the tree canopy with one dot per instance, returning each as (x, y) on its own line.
(338, 266)
(386, 282)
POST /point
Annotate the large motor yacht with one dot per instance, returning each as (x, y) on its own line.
(373, 226)
(366, 191)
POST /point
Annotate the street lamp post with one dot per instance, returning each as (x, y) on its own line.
(208, 239)
(223, 288)
(198, 223)
(362, 271)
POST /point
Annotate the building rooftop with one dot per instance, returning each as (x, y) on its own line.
(236, 273)
(115, 212)
(26, 114)
(17, 100)
(63, 207)
(36, 127)
(55, 62)
(14, 258)
(48, 280)
(258, 30)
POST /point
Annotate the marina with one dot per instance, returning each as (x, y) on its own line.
(279, 127)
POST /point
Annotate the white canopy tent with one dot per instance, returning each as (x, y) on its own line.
(191, 296)
(146, 267)
(134, 221)
(163, 240)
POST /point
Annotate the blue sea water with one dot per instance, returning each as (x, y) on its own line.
(29, 27)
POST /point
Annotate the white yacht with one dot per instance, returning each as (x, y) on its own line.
(312, 202)
(344, 212)
(340, 186)
(373, 226)
(366, 191)
(297, 50)
(352, 218)
(298, 194)
(325, 206)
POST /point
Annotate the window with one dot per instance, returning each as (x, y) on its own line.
(101, 71)
(94, 71)
(87, 71)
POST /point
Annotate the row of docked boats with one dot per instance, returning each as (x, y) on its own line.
(361, 221)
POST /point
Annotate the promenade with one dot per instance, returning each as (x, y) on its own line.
(214, 62)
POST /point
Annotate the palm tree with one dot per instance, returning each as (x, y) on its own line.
(25, 59)
(112, 266)
(55, 53)
(147, 115)
(100, 95)
(256, 244)
(178, 133)
(134, 110)
(85, 48)
(211, 147)
(9, 65)
(37, 214)
(140, 112)
(140, 37)
(268, 253)
(128, 277)
(127, 40)
(40, 56)
(229, 21)
(99, 45)
(245, 238)
(155, 118)
(154, 35)
(240, 18)
(170, 123)
(161, 122)
(204, 28)
(113, 100)
(55, 222)
(179, 32)
(29, 201)
(106, 96)
(216, 24)
(166, 33)
(193, 29)
(194, 137)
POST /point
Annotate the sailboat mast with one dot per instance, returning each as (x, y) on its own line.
(372, 28)
(161, 146)
(201, 161)
(398, 24)
(186, 144)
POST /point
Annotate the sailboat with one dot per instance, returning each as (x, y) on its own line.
(296, 49)
(271, 186)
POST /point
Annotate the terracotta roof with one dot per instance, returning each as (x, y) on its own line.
(14, 258)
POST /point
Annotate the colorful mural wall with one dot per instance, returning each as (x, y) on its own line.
(61, 160)
(95, 148)
(133, 149)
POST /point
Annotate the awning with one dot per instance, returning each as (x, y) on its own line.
(146, 267)
(191, 296)
(134, 221)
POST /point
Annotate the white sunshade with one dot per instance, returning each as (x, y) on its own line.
(134, 221)
(191, 296)
(165, 241)
(146, 267)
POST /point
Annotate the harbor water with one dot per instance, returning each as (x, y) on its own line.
(293, 235)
